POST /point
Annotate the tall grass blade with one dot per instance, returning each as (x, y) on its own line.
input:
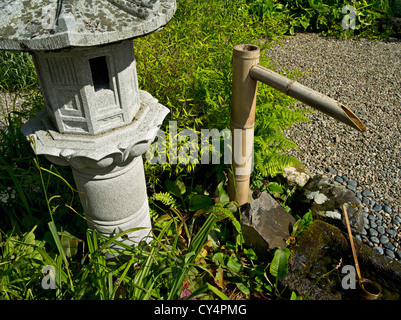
(193, 251)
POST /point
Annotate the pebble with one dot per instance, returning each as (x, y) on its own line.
(391, 232)
(387, 209)
(377, 207)
(389, 246)
(380, 229)
(384, 239)
(390, 254)
(373, 232)
(367, 193)
(365, 201)
(378, 215)
(395, 222)
(379, 250)
(338, 179)
(374, 239)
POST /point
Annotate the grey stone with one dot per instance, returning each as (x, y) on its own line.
(335, 196)
(379, 250)
(110, 98)
(297, 175)
(373, 224)
(330, 170)
(30, 26)
(384, 239)
(112, 147)
(351, 187)
(374, 239)
(265, 225)
(389, 246)
(338, 179)
(373, 232)
(378, 215)
(387, 209)
(395, 222)
(380, 229)
(359, 195)
(367, 193)
(391, 232)
(365, 201)
(377, 207)
(352, 183)
(390, 253)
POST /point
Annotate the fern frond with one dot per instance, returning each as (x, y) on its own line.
(165, 198)
(273, 163)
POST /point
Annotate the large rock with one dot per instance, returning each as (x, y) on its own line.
(266, 225)
(296, 176)
(326, 199)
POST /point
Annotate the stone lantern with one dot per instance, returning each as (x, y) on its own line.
(95, 119)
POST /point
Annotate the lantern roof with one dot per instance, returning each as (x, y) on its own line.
(36, 25)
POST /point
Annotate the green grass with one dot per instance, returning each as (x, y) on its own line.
(18, 72)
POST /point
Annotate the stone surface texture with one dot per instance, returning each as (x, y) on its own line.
(326, 200)
(89, 90)
(265, 224)
(36, 25)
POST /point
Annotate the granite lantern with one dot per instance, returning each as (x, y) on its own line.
(96, 120)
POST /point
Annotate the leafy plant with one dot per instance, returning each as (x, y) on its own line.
(326, 16)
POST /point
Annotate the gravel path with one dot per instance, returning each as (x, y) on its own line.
(365, 76)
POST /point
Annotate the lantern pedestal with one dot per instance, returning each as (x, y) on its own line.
(116, 201)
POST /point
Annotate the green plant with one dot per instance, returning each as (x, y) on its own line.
(18, 71)
(275, 113)
(326, 16)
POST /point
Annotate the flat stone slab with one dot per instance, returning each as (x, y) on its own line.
(30, 25)
(266, 225)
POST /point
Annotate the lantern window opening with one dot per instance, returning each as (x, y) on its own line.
(100, 73)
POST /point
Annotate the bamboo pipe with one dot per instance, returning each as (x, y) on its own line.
(244, 90)
(246, 73)
(308, 96)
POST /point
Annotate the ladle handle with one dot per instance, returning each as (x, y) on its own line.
(351, 240)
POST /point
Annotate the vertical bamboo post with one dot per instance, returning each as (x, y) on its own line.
(244, 90)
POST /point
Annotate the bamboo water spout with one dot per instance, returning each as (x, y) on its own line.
(246, 73)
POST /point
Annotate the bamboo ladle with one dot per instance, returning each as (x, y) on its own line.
(370, 290)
